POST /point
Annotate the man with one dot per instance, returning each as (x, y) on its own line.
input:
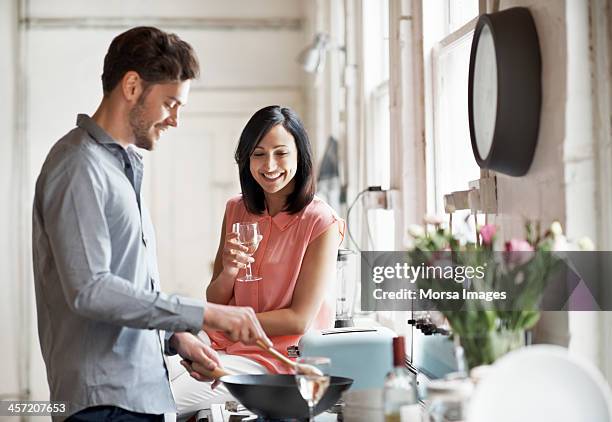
(95, 270)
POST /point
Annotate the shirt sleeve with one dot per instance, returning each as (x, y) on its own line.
(73, 210)
(230, 212)
(168, 349)
(323, 218)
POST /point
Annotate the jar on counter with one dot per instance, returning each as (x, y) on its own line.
(447, 400)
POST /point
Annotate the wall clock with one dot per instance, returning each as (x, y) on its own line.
(504, 91)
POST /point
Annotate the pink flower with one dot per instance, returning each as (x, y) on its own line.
(518, 245)
(517, 249)
(488, 233)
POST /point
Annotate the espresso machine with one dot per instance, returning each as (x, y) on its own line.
(433, 352)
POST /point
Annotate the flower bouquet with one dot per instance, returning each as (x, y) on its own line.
(487, 329)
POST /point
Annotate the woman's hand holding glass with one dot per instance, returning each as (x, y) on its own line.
(240, 245)
(235, 256)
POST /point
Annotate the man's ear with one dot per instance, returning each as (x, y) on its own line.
(131, 86)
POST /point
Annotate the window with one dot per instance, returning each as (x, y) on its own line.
(448, 28)
(380, 227)
(460, 12)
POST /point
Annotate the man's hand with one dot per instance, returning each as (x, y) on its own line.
(238, 322)
(192, 349)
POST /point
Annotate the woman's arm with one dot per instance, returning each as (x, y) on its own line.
(228, 261)
(318, 269)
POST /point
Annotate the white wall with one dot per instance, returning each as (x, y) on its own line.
(324, 92)
(143, 9)
(540, 195)
(581, 151)
(10, 285)
(562, 183)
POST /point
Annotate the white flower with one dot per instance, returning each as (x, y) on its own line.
(556, 229)
(586, 244)
(416, 231)
(433, 219)
(560, 243)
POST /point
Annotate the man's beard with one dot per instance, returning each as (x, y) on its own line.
(140, 127)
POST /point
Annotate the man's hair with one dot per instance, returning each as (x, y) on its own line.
(157, 56)
(256, 128)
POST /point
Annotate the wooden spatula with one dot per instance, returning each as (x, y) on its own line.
(299, 367)
(216, 373)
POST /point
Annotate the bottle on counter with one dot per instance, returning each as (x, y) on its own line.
(399, 390)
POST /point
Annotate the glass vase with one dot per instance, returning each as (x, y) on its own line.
(475, 349)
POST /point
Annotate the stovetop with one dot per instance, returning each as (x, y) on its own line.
(219, 413)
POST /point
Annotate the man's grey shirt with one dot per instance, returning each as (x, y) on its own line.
(96, 277)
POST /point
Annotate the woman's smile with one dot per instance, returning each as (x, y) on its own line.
(274, 161)
(273, 176)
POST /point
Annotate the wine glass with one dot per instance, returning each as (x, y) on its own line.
(248, 235)
(312, 378)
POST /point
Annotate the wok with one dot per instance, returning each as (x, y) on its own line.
(277, 396)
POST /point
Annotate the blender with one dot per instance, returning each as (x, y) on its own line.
(345, 288)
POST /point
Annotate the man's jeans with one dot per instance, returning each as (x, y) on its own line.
(112, 414)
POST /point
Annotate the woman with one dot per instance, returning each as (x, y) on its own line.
(296, 256)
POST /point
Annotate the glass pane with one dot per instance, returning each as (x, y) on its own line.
(461, 12)
(384, 4)
(455, 165)
(382, 233)
(375, 43)
(379, 142)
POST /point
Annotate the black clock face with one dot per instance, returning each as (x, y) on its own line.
(504, 91)
(484, 94)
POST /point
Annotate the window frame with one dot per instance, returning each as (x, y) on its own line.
(432, 82)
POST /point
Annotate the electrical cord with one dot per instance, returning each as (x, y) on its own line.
(367, 221)
(363, 256)
(348, 218)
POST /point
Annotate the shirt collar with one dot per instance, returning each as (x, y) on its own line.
(283, 220)
(96, 132)
(100, 136)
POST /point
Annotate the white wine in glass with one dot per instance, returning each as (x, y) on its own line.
(313, 385)
(248, 235)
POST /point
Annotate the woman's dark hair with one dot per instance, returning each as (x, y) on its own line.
(157, 56)
(256, 128)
